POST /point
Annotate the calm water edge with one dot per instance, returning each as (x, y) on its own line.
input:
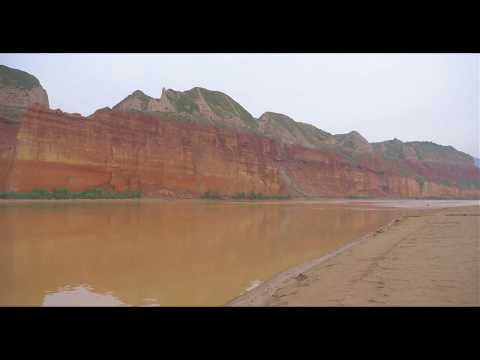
(165, 253)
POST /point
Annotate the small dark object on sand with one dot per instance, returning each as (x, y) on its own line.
(301, 277)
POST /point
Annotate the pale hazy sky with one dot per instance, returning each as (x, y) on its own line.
(432, 97)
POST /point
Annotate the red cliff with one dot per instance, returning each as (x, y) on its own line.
(188, 143)
(161, 156)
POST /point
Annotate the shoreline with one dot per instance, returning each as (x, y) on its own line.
(357, 257)
(386, 202)
(267, 288)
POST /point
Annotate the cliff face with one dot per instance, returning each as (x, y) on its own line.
(161, 156)
(186, 143)
(18, 91)
(8, 136)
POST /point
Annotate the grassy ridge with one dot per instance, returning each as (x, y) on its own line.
(63, 194)
(17, 78)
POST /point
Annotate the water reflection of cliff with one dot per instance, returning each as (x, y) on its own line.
(169, 254)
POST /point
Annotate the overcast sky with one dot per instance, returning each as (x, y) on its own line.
(432, 97)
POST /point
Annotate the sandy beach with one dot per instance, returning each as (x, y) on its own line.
(431, 259)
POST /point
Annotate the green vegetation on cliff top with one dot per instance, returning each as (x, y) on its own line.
(183, 101)
(296, 130)
(144, 98)
(220, 104)
(17, 78)
(312, 133)
(392, 149)
(426, 150)
(223, 105)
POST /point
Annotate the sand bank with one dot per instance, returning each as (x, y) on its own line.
(429, 259)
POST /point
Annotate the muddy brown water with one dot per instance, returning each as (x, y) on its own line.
(150, 253)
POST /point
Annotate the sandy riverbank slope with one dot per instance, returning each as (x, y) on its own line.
(430, 259)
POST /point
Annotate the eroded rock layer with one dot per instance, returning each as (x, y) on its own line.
(121, 151)
(163, 157)
(189, 142)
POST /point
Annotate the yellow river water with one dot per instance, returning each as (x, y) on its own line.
(150, 253)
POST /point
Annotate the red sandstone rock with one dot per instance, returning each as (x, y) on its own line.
(208, 142)
(163, 158)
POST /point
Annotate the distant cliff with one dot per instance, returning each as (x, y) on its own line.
(186, 143)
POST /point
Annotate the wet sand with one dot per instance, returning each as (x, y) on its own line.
(431, 259)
